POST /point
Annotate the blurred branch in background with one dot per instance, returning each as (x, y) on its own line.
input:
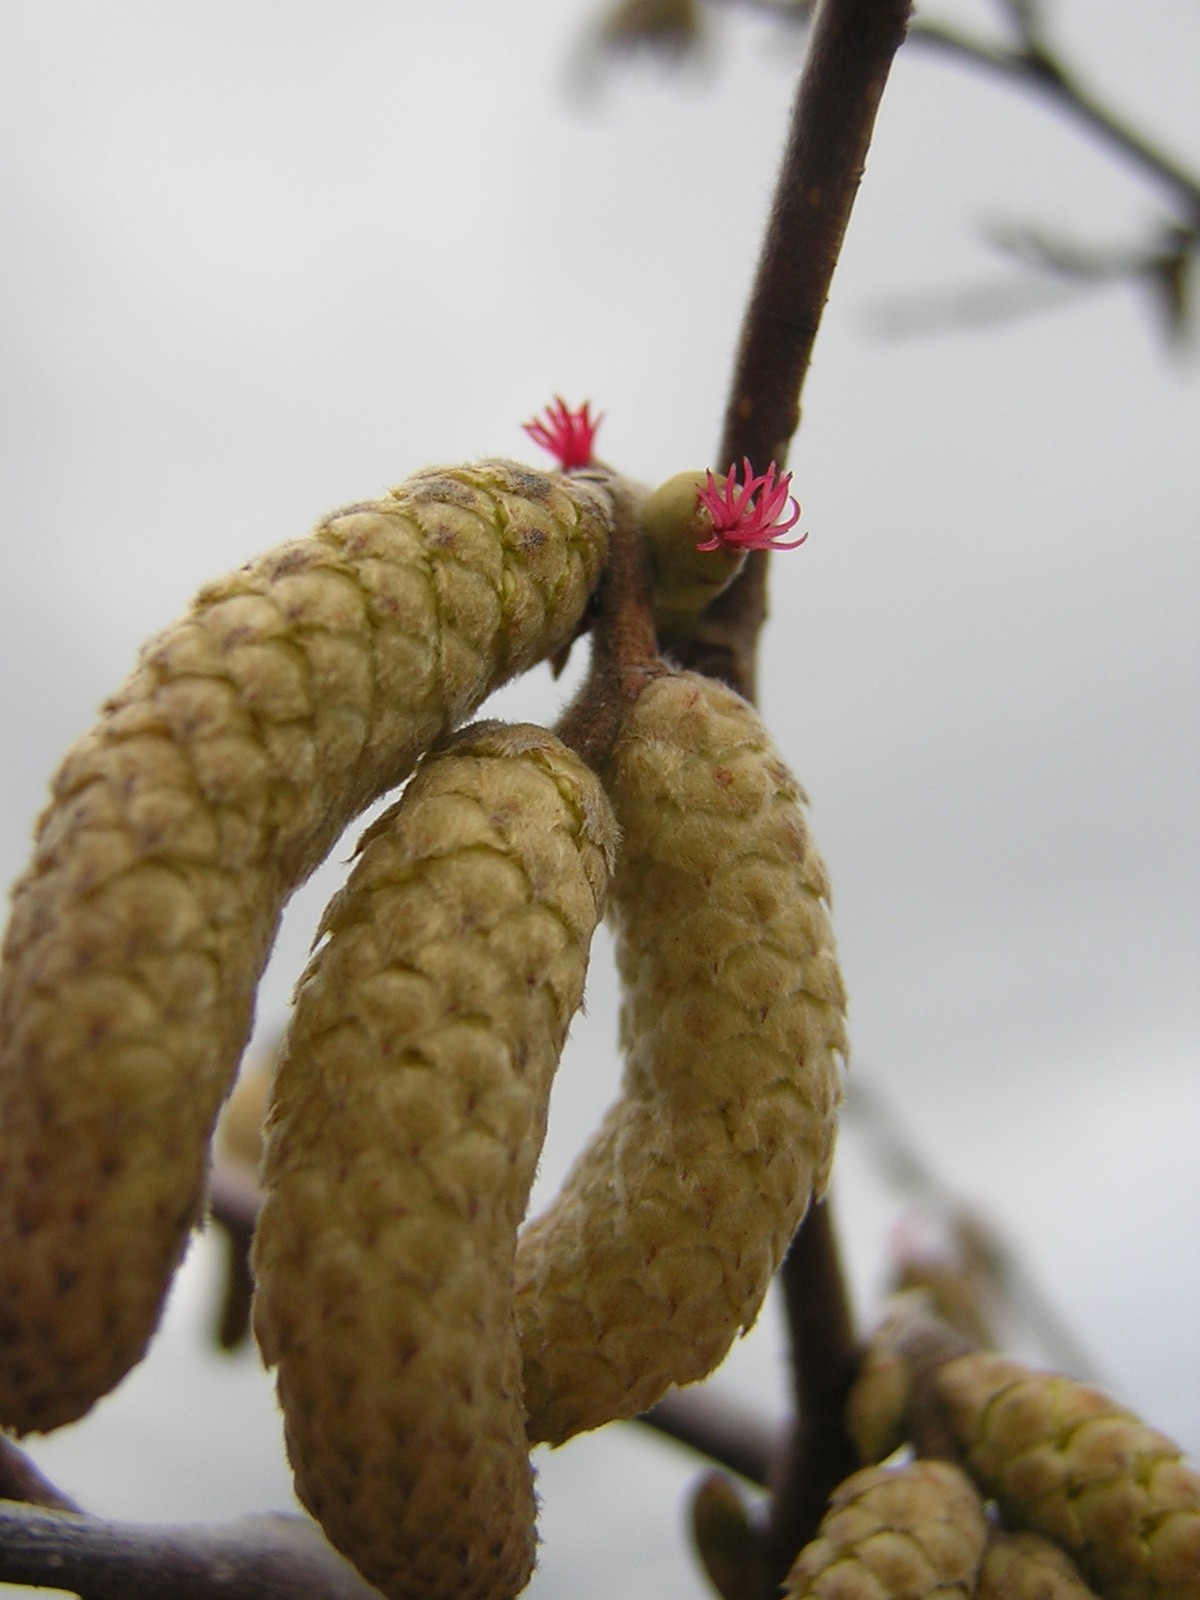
(947, 1248)
(1160, 265)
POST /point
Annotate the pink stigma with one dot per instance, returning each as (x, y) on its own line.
(564, 433)
(749, 515)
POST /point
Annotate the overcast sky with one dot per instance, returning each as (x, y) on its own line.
(262, 260)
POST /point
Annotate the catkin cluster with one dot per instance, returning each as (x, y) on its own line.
(1094, 1501)
(294, 692)
(422, 1341)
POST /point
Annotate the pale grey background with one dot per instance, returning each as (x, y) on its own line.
(261, 259)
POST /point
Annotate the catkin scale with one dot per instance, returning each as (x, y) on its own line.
(408, 1114)
(660, 1247)
(294, 692)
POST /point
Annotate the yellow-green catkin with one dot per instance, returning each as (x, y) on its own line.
(408, 1114)
(1064, 1460)
(662, 1243)
(1024, 1566)
(250, 734)
(915, 1532)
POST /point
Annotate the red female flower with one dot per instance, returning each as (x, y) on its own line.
(749, 515)
(566, 434)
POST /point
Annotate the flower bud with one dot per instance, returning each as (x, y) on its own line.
(676, 522)
(877, 1406)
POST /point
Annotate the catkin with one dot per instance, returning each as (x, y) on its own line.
(409, 1111)
(895, 1533)
(294, 692)
(1063, 1459)
(661, 1245)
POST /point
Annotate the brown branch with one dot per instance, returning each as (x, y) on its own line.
(1031, 63)
(850, 52)
(718, 1429)
(820, 1324)
(269, 1557)
(901, 1164)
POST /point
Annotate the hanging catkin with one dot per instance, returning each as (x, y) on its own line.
(294, 692)
(409, 1111)
(661, 1245)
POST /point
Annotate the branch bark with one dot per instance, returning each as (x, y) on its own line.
(850, 51)
(255, 1558)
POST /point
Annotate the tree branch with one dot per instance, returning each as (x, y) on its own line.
(269, 1557)
(1043, 70)
(850, 52)
(718, 1429)
(820, 1324)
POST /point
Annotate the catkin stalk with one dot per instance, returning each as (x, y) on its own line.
(251, 733)
(663, 1241)
(409, 1111)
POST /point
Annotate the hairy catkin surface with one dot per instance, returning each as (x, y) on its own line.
(661, 1245)
(1064, 1460)
(895, 1533)
(251, 733)
(409, 1111)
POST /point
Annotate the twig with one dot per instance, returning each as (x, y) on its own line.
(900, 1161)
(1033, 64)
(850, 52)
(718, 1429)
(820, 1323)
(624, 645)
(270, 1557)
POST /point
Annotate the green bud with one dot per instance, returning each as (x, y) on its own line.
(686, 579)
